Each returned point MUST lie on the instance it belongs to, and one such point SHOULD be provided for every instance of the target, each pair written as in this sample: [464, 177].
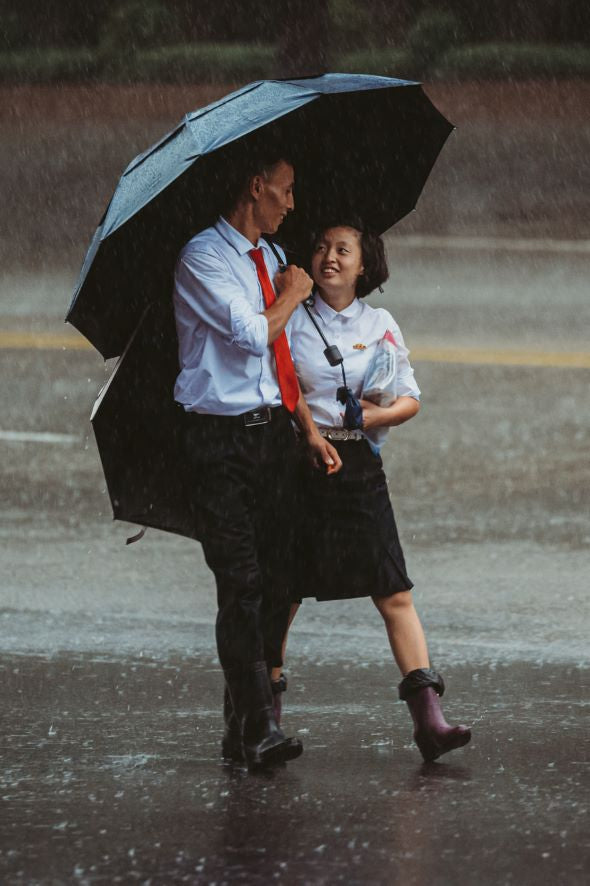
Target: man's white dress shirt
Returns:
[356, 331]
[226, 364]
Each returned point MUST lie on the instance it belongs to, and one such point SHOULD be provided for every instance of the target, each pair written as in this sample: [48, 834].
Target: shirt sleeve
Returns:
[406, 383]
[205, 292]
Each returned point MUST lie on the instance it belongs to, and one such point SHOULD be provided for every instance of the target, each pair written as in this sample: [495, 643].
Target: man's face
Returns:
[273, 193]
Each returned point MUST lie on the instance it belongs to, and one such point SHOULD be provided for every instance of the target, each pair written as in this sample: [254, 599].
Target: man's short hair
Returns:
[245, 162]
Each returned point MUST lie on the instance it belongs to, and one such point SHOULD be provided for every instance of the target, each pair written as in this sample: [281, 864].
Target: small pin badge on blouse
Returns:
[359, 347]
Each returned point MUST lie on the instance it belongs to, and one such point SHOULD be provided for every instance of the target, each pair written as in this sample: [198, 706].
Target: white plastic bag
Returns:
[380, 384]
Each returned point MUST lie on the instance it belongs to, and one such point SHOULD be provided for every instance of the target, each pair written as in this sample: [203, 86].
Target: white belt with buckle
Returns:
[342, 434]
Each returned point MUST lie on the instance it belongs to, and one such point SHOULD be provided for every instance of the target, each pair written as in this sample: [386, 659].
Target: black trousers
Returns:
[240, 486]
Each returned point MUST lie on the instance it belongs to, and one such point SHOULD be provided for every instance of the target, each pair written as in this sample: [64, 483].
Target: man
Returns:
[239, 391]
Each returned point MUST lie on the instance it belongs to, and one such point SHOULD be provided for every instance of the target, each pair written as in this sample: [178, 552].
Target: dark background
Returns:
[207, 40]
[381, 22]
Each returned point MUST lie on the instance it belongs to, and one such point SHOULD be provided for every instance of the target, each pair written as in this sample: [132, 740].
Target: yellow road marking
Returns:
[492, 356]
[501, 244]
[50, 341]
[501, 357]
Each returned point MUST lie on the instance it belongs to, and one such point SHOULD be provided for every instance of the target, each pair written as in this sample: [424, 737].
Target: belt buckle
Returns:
[257, 417]
[337, 434]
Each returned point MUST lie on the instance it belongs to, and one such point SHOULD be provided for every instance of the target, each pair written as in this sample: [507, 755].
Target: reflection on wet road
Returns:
[112, 774]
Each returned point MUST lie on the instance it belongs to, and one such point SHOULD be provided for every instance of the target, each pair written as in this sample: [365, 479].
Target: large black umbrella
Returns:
[361, 145]
[359, 142]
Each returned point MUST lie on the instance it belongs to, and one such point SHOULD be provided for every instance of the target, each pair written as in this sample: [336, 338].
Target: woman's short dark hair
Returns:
[375, 271]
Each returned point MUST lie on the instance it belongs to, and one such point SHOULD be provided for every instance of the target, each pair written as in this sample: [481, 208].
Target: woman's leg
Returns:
[421, 687]
[278, 681]
[275, 674]
[404, 629]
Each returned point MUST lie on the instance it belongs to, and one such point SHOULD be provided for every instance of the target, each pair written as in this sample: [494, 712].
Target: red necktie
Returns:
[288, 384]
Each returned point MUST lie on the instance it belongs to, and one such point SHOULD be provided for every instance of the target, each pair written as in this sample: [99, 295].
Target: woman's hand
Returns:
[321, 452]
[372, 415]
[323, 455]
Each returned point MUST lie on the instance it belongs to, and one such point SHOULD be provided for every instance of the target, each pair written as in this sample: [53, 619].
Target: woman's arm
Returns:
[375, 416]
[322, 453]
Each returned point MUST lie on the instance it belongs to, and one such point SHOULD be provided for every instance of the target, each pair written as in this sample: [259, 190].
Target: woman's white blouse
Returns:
[356, 331]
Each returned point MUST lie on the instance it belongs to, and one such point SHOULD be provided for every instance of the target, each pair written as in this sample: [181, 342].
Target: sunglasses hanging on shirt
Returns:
[353, 411]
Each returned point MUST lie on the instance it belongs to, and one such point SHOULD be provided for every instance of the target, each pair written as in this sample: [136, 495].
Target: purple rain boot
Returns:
[420, 689]
[278, 687]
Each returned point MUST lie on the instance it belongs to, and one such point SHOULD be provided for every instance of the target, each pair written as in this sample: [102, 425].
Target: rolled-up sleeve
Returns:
[406, 383]
[203, 289]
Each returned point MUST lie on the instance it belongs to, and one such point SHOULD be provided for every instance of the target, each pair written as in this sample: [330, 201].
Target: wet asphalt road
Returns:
[111, 691]
[112, 774]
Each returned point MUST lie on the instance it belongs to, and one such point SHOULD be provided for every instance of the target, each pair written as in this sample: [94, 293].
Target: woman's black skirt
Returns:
[348, 544]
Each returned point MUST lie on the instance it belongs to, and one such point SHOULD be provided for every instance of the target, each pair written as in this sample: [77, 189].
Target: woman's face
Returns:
[337, 260]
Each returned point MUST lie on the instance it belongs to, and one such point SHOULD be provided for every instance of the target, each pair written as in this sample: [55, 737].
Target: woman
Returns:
[349, 543]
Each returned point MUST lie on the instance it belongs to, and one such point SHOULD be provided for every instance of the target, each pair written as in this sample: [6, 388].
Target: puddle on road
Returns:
[112, 773]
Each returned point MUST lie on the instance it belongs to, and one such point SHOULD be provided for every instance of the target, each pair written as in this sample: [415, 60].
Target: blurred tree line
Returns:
[315, 25]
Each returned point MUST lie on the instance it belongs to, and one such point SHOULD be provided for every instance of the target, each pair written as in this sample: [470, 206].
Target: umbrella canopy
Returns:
[359, 143]
[138, 430]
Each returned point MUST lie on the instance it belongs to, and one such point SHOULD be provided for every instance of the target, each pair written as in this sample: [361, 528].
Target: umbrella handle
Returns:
[133, 538]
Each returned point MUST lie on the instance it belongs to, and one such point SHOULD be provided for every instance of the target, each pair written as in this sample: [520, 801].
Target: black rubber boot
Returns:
[420, 689]
[263, 742]
[278, 687]
[231, 744]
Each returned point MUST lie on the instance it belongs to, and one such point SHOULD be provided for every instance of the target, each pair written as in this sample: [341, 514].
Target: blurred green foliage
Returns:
[434, 33]
[49, 66]
[138, 24]
[228, 40]
[351, 24]
[386, 62]
[195, 63]
[13, 30]
[240, 63]
[355, 24]
[496, 61]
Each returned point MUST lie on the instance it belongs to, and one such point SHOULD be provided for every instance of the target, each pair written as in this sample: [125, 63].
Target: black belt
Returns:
[252, 419]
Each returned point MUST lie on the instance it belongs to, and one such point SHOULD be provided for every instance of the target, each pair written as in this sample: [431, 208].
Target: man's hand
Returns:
[296, 281]
[323, 455]
[294, 286]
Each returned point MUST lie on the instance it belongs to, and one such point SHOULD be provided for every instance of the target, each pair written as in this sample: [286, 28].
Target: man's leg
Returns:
[277, 553]
[227, 477]
[222, 480]
[276, 537]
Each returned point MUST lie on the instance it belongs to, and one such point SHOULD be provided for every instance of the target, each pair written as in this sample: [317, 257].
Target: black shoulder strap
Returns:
[276, 252]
